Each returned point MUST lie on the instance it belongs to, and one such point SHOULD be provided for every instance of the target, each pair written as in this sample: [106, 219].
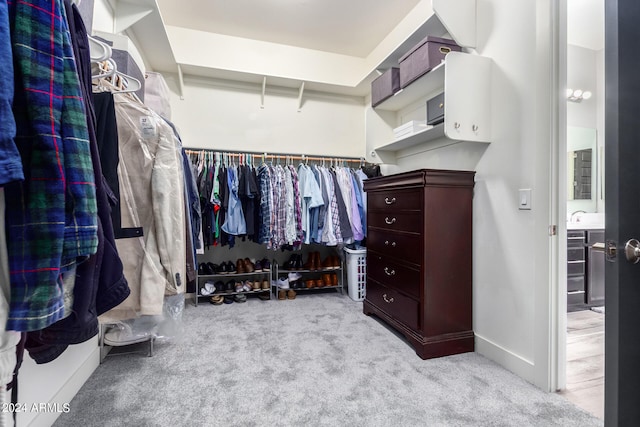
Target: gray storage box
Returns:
[423, 57]
[435, 110]
[385, 85]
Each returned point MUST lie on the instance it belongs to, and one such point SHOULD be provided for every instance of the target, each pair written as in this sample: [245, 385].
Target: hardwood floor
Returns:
[585, 361]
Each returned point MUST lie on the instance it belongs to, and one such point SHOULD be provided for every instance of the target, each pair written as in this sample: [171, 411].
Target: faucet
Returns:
[575, 217]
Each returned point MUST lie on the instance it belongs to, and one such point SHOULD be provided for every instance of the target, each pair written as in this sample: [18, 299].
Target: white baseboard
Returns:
[518, 365]
[78, 363]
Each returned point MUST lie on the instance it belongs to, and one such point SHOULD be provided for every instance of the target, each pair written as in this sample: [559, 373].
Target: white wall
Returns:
[227, 116]
[581, 74]
[103, 17]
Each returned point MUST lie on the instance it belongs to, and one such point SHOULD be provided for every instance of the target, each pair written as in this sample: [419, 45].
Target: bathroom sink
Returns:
[586, 221]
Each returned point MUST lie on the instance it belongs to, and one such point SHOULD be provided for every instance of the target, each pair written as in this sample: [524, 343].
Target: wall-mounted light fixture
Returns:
[577, 95]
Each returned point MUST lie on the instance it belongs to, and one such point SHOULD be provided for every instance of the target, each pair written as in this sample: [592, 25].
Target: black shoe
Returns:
[201, 268]
[211, 267]
[289, 265]
[265, 296]
[219, 287]
[222, 268]
[206, 270]
[228, 299]
[231, 267]
[299, 263]
[230, 286]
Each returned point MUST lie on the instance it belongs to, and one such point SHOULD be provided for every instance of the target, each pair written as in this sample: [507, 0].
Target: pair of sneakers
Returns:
[244, 286]
[209, 288]
[284, 282]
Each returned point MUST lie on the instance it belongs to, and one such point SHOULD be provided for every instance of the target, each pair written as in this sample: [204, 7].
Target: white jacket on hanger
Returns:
[151, 197]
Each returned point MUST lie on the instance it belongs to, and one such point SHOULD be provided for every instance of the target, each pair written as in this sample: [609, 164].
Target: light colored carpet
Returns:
[312, 361]
[598, 309]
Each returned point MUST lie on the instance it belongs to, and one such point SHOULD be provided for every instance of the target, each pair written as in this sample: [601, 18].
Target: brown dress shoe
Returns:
[327, 263]
[311, 262]
[334, 279]
[248, 266]
[320, 283]
[336, 261]
[309, 284]
[291, 294]
[326, 279]
[240, 268]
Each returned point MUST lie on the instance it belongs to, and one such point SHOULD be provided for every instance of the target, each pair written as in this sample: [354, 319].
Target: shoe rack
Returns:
[311, 275]
[229, 279]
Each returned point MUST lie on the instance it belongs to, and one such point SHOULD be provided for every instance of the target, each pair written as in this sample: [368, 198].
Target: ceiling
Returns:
[352, 27]
[247, 40]
[585, 23]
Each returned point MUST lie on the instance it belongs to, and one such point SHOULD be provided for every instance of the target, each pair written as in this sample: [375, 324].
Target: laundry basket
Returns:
[356, 273]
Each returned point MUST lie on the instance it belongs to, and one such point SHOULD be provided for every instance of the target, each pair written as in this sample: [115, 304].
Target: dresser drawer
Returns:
[399, 245]
[576, 254]
[576, 267]
[393, 201]
[402, 221]
[575, 283]
[393, 275]
[396, 305]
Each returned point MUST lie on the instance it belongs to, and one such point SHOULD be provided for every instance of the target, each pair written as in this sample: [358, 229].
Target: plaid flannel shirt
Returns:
[51, 217]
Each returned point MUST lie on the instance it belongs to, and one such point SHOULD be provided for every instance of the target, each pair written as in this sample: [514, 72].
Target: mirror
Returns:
[581, 169]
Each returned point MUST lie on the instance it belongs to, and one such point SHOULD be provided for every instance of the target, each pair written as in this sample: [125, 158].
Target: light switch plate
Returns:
[524, 199]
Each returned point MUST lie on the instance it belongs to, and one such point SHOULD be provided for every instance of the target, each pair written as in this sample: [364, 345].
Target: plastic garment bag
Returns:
[151, 198]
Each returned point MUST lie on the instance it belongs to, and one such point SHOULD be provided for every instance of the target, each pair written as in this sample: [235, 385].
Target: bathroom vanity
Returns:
[585, 265]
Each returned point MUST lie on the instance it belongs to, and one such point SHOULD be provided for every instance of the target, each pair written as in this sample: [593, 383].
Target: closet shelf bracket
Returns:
[300, 93]
[128, 14]
[181, 82]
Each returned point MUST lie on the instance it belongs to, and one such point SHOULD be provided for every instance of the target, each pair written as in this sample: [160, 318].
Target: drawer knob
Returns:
[387, 243]
[389, 221]
[389, 272]
[389, 201]
[386, 299]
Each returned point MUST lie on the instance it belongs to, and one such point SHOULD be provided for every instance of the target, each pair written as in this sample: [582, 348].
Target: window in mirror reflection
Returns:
[582, 167]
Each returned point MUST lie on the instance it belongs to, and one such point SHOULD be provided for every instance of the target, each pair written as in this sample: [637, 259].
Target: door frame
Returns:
[559, 285]
[555, 325]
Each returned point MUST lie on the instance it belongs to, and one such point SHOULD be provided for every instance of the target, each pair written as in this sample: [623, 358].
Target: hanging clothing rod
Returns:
[280, 156]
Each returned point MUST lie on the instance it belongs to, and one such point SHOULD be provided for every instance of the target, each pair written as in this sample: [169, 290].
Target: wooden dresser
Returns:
[419, 258]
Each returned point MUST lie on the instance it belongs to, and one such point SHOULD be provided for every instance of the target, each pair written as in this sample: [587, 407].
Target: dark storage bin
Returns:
[385, 85]
[423, 57]
[435, 110]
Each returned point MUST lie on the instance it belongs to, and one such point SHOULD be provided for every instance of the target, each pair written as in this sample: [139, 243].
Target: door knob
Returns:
[632, 251]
